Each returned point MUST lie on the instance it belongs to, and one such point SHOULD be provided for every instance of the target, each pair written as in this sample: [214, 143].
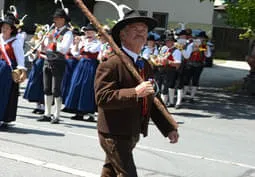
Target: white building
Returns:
[165, 11]
[1, 4]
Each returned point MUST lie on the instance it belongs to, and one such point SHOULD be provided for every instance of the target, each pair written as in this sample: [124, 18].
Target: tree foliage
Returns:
[241, 14]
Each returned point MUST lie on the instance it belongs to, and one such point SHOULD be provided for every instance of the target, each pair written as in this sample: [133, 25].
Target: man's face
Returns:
[59, 22]
[134, 34]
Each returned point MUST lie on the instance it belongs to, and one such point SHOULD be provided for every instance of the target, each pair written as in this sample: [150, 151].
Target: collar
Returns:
[8, 40]
[130, 53]
[61, 29]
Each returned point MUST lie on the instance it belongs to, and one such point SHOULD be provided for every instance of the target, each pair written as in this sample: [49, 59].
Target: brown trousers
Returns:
[119, 160]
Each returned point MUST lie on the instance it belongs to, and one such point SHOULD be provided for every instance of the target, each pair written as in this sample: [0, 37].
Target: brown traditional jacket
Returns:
[119, 109]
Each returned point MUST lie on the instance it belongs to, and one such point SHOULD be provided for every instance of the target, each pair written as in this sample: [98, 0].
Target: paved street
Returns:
[216, 138]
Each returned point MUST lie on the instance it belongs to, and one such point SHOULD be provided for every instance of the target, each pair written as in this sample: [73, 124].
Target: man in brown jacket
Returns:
[124, 105]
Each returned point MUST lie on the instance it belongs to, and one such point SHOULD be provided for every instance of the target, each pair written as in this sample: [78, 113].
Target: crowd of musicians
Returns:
[64, 62]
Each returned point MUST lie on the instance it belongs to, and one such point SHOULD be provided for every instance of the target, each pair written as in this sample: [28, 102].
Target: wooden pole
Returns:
[124, 59]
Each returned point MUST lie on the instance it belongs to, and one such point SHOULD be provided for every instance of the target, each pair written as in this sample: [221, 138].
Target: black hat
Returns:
[10, 19]
[170, 38]
[76, 31]
[151, 38]
[202, 34]
[132, 16]
[90, 27]
[62, 14]
[182, 32]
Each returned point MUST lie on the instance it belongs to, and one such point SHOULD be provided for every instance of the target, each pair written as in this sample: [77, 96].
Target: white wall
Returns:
[103, 10]
[187, 11]
[1, 4]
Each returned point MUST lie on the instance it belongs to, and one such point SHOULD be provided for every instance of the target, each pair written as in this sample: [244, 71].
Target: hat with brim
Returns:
[182, 32]
[11, 20]
[151, 38]
[76, 32]
[170, 38]
[202, 34]
[60, 13]
[132, 16]
[89, 27]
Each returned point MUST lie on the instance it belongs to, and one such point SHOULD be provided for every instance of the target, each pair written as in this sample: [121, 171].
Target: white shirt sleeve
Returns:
[155, 51]
[19, 54]
[187, 53]
[177, 55]
[146, 53]
[65, 44]
[208, 52]
[21, 37]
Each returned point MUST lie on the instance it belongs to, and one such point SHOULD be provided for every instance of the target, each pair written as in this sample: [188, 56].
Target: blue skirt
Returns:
[6, 83]
[81, 96]
[34, 89]
[70, 66]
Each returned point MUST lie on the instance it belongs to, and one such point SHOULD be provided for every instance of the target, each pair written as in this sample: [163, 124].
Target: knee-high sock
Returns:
[171, 95]
[165, 99]
[193, 91]
[185, 90]
[179, 96]
[58, 104]
[48, 104]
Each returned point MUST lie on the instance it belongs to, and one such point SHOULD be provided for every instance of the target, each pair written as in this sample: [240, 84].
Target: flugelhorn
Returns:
[37, 45]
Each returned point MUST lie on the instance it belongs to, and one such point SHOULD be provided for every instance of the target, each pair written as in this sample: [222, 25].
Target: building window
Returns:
[162, 19]
[143, 12]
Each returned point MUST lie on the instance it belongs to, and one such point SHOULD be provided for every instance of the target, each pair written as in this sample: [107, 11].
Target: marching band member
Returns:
[81, 97]
[57, 45]
[150, 49]
[34, 88]
[172, 61]
[12, 69]
[71, 62]
[195, 55]
[105, 49]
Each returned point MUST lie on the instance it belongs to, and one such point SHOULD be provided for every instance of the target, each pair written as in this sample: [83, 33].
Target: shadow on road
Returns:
[19, 130]
[222, 104]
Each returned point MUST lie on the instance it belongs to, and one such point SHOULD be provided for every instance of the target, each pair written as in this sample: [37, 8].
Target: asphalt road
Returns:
[216, 139]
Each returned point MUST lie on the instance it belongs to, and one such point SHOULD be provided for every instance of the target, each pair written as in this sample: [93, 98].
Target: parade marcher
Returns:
[184, 38]
[106, 49]
[11, 62]
[171, 63]
[195, 55]
[57, 45]
[71, 62]
[151, 49]
[34, 89]
[122, 110]
[81, 97]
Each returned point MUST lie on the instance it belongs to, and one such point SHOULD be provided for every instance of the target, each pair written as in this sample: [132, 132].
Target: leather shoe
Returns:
[77, 117]
[54, 120]
[44, 119]
[178, 106]
[90, 119]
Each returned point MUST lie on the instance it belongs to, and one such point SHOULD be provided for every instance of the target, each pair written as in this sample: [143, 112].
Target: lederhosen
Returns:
[54, 66]
[8, 88]
[194, 65]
